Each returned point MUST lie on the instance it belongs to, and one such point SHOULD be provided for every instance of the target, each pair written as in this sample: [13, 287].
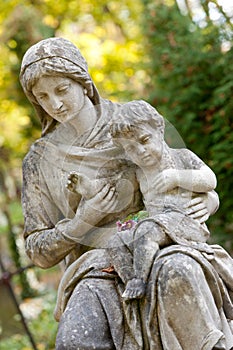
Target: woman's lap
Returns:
[187, 317]
[84, 325]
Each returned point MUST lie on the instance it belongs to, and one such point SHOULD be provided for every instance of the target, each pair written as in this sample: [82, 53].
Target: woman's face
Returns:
[61, 97]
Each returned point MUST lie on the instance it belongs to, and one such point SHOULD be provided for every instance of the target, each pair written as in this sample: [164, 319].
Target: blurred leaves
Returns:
[191, 85]
[42, 326]
[176, 55]
[108, 35]
[105, 32]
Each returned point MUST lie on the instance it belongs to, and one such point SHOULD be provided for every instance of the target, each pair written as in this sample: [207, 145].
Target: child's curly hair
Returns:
[135, 114]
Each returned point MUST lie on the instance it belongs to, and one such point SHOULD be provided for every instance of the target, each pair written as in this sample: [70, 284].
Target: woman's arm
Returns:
[48, 247]
[45, 242]
[48, 236]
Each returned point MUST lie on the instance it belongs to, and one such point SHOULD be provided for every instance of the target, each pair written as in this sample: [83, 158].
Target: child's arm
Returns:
[201, 180]
[196, 175]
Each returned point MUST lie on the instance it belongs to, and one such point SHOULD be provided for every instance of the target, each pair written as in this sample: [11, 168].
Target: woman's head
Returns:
[61, 97]
[54, 57]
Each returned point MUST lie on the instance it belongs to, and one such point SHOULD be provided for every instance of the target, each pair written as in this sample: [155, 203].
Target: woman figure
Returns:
[187, 305]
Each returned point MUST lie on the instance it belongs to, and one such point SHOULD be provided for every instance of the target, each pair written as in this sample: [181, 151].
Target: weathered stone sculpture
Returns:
[80, 178]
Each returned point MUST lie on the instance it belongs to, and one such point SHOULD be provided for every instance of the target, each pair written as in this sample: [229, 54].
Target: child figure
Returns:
[169, 179]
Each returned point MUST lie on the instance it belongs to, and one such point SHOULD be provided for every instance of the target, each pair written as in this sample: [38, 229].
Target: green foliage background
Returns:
[178, 58]
[192, 86]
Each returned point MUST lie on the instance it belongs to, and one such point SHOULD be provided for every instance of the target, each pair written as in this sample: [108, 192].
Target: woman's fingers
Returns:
[204, 218]
[110, 200]
[106, 200]
[111, 194]
[106, 193]
[196, 209]
[201, 217]
[199, 214]
[194, 201]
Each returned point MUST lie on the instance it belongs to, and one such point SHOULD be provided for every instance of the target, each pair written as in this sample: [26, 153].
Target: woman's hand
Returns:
[90, 212]
[197, 208]
[96, 208]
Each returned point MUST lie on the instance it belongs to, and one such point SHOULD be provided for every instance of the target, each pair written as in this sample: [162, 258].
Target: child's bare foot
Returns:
[135, 289]
[72, 181]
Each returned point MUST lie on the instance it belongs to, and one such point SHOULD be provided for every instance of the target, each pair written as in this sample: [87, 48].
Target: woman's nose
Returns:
[56, 103]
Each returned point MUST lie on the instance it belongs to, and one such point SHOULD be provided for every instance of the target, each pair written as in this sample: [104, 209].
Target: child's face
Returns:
[143, 146]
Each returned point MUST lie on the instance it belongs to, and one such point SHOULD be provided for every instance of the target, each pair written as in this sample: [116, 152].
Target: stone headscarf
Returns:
[54, 56]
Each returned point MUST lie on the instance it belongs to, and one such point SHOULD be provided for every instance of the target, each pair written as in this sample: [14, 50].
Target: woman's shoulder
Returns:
[33, 156]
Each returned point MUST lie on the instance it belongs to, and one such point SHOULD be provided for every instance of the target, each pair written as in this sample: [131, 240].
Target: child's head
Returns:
[139, 129]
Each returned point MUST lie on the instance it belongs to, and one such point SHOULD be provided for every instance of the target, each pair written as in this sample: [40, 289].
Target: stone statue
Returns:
[168, 179]
[80, 178]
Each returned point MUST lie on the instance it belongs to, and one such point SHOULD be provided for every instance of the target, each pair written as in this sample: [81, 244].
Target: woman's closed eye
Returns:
[63, 88]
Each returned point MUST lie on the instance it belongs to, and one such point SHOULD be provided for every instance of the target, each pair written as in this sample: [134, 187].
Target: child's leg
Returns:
[121, 257]
[148, 236]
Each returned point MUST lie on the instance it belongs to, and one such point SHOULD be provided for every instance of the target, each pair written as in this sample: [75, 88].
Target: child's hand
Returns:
[80, 183]
[166, 181]
[72, 182]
